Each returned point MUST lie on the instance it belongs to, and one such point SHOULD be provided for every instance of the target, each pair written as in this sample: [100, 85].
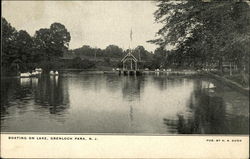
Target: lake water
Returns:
[99, 103]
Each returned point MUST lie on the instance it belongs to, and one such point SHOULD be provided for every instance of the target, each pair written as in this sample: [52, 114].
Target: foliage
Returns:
[17, 49]
[113, 51]
[78, 63]
[24, 44]
[109, 51]
[51, 43]
[22, 53]
[9, 50]
[141, 53]
[205, 33]
[110, 56]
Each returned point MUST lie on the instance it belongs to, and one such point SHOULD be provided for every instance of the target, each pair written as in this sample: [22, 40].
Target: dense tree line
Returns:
[110, 56]
[48, 49]
[112, 51]
[204, 33]
[22, 52]
[109, 51]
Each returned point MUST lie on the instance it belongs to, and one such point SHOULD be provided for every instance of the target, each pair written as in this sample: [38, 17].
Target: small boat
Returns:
[54, 73]
[38, 70]
[34, 74]
[25, 75]
[211, 86]
[157, 70]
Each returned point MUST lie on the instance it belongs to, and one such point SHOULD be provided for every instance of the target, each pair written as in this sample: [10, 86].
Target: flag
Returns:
[131, 33]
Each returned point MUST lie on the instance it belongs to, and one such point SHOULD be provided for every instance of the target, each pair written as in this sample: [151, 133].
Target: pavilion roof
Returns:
[129, 55]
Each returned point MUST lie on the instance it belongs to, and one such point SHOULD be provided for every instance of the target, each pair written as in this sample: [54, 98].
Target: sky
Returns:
[94, 23]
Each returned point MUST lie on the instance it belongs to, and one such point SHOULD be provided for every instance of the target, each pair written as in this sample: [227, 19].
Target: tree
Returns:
[204, 31]
[87, 50]
[21, 52]
[113, 51]
[24, 44]
[141, 53]
[52, 43]
[84, 50]
[17, 49]
[77, 62]
[9, 50]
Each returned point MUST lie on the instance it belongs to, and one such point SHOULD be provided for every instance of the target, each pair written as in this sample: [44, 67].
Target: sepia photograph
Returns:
[125, 68]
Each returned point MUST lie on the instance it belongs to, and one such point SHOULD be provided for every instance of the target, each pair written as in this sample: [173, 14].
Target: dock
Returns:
[130, 72]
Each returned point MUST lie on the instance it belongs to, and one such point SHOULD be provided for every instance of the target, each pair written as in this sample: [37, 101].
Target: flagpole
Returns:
[131, 37]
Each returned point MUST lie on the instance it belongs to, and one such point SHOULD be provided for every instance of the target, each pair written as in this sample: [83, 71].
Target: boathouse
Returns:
[129, 65]
[129, 62]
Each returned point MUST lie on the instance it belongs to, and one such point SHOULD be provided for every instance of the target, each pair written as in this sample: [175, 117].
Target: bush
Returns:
[107, 60]
[85, 64]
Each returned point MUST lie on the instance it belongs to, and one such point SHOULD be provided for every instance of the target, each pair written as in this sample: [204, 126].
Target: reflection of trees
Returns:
[7, 89]
[131, 90]
[50, 92]
[24, 88]
[163, 81]
[113, 82]
[89, 81]
[18, 90]
[132, 87]
[208, 116]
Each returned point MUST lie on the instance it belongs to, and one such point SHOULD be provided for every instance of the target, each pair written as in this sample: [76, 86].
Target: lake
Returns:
[107, 103]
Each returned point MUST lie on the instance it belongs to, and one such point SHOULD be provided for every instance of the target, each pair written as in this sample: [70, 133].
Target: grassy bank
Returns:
[234, 82]
[235, 77]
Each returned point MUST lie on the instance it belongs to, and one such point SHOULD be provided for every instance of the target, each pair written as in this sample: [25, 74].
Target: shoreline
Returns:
[229, 83]
[186, 73]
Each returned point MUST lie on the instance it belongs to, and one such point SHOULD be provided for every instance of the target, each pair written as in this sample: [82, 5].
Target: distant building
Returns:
[129, 62]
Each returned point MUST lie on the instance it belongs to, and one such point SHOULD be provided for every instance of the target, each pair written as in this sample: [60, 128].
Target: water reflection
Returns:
[83, 103]
[7, 91]
[51, 92]
[163, 82]
[207, 115]
[18, 90]
[132, 91]
[132, 87]
[23, 93]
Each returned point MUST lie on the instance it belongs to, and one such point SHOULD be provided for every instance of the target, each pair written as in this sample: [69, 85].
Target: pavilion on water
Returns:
[129, 62]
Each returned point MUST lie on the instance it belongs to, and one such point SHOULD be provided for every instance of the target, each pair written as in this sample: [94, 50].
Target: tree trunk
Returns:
[221, 65]
[244, 77]
[231, 69]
